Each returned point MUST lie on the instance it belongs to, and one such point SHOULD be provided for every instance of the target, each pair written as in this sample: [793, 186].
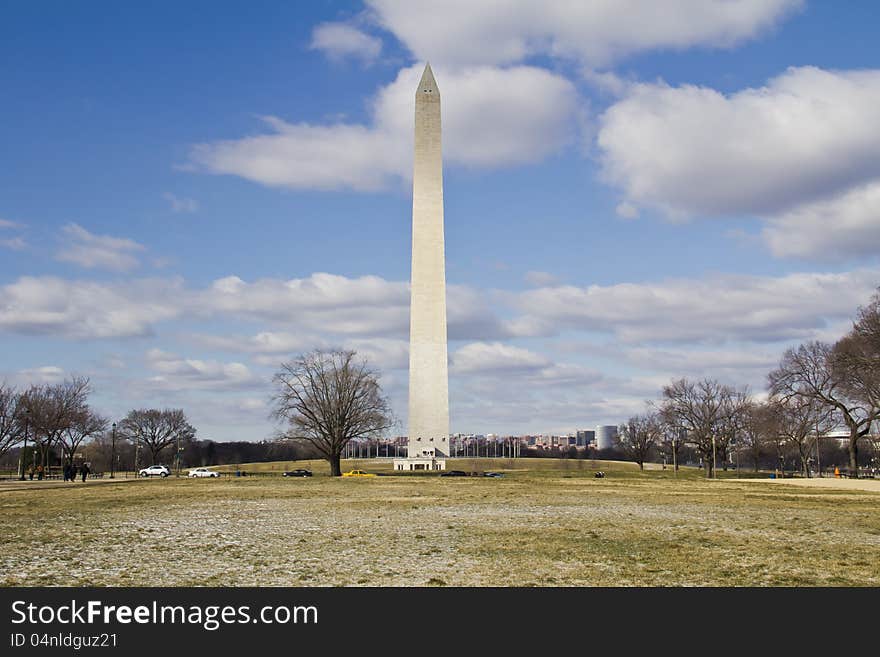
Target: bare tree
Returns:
[52, 408]
[11, 426]
[834, 376]
[156, 429]
[671, 441]
[732, 424]
[758, 429]
[707, 411]
[328, 399]
[798, 420]
[638, 436]
[85, 424]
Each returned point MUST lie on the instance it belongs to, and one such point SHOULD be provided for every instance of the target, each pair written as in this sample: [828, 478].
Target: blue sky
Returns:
[191, 192]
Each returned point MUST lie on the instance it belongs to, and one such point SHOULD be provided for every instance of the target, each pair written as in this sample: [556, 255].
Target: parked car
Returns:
[154, 471]
[454, 473]
[357, 473]
[297, 473]
[493, 474]
[203, 472]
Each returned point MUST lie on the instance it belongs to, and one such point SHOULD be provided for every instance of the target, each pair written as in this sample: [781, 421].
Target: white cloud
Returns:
[626, 210]
[752, 308]
[491, 118]
[85, 309]
[744, 361]
[15, 244]
[319, 305]
[40, 375]
[340, 40]
[382, 353]
[485, 357]
[176, 373]
[336, 305]
[98, 251]
[326, 302]
[179, 204]
[806, 135]
[540, 279]
[265, 342]
[840, 227]
[463, 32]
[6, 223]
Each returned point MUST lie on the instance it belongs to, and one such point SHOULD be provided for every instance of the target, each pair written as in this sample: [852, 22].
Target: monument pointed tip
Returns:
[428, 84]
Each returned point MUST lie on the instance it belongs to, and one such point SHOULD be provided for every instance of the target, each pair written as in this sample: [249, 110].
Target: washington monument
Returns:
[428, 377]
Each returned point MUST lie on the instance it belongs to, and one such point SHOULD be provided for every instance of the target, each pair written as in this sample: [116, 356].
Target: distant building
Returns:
[606, 436]
[585, 438]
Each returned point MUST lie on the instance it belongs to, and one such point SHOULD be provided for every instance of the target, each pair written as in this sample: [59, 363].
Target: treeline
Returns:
[50, 425]
[55, 419]
[46, 426]
[817, 387]
[196, 453]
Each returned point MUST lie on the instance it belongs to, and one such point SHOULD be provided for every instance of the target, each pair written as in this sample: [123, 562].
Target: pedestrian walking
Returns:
[40, 472]
[72, 472]
[84, 470]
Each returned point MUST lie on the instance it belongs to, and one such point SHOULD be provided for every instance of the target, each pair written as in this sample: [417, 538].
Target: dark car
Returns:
[454, 473]
[297, 473]
[493, 474]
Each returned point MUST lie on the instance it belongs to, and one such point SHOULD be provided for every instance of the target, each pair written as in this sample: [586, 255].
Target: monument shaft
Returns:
[428, 376]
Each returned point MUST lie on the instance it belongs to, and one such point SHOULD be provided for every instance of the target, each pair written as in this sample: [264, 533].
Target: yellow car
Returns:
[357, 473]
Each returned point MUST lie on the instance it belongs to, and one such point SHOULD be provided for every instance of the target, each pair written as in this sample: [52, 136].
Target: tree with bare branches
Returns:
[799, 420]
[156, 429]
[708, 411]
[638, 436]
[86, 423]
[671, 442]
[329, 398]
[52, 408]
[757, 432]
[835, 376]
[11, 425]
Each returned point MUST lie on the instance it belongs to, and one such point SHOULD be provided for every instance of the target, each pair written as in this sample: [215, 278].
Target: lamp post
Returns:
[112, 449]
[27, 414]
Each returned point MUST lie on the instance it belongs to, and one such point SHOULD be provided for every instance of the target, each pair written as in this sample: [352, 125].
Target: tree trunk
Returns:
[641, 465]
[854, 456]
[708, 467]
[335, 467]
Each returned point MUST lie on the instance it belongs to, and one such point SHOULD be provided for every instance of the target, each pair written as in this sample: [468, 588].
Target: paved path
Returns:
[826, 482]
[17, 485]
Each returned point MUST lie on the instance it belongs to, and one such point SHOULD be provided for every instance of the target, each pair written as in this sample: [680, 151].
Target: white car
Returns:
[203, 472]
[154, 471]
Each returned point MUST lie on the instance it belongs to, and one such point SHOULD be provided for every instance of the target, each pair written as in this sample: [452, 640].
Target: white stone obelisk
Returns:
[428, 377]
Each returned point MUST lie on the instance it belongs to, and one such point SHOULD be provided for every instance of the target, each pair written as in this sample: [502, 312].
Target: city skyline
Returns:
[186, 202]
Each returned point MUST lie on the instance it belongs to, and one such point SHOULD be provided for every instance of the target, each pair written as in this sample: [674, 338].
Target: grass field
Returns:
[545, 523]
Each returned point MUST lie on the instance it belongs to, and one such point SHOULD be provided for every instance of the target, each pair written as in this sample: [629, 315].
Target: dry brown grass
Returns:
[552, 527]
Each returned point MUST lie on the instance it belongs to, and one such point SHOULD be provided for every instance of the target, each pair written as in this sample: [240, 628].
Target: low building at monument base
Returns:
[420, 463]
